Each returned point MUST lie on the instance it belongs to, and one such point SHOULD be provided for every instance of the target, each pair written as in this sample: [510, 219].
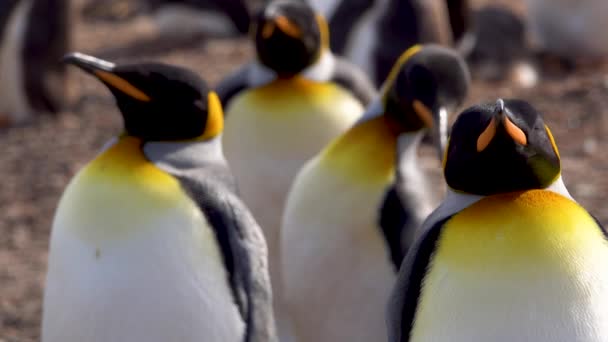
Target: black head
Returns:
[500, 148]
[425, 84]
[158, 102]
[288, 36]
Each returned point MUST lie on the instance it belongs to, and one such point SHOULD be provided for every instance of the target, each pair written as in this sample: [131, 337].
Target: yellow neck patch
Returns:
[118, 193]
[122, 85]
[366, 153]
[324, 30]
[289, 91]
[536, 227]
[124, 163]
[411, 51]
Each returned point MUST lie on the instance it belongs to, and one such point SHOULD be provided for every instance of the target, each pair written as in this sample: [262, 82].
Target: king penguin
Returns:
[149, 241]
[336, 261]
[282, 109]
[34, 35]
[508, 255]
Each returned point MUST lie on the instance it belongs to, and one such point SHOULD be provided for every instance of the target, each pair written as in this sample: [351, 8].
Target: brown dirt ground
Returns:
[38, 160]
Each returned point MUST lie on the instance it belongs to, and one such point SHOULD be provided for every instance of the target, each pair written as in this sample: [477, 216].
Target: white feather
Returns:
[132, 273]
[336, 267]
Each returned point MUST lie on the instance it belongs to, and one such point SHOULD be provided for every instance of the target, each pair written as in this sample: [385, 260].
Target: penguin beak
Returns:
[440, 130]
[501, 118]
[88, 63]
[104, 71]
[437, 120]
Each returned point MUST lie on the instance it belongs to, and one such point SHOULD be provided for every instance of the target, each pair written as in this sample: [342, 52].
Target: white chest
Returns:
[336, 266]
[535, 303]
[269, 135]
[161, 280]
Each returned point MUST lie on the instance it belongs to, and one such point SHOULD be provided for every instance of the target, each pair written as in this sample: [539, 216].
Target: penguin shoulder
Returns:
[234, 83]
[350, 77]
[204, 175]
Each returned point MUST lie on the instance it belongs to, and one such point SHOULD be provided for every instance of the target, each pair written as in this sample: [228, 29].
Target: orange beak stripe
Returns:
[515, 132]
[486, 136]
[122, 85]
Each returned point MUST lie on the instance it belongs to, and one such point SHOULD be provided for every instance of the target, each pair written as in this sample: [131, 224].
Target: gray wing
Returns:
[233, 84]
[355, 80]
[243, 248]
[403, 301]
[205, 176]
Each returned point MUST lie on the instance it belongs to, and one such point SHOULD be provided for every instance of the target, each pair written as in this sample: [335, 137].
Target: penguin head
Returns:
[424, 85]
[500, 148]
[158, 102]
[289, 36]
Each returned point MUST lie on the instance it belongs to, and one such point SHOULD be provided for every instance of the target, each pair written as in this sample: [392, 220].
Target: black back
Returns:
[405, 299]
[343, 20]
[47, 41]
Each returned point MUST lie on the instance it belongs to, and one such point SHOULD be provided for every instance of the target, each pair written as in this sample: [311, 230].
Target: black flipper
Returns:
[403, 302]
[244, 251]
[355, 80]
[393, 221]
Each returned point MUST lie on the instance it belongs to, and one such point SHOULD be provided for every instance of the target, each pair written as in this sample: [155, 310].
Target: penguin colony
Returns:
[289, 204]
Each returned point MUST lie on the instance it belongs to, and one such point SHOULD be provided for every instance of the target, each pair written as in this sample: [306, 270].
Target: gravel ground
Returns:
[39, 159]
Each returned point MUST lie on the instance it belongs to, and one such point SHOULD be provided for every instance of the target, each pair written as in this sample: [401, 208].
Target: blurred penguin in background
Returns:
[373, 33]
[223, 18]
[34, 35]
[213, 17]
[337, 270]
[282, 108]
[570, 29]
[496, 46]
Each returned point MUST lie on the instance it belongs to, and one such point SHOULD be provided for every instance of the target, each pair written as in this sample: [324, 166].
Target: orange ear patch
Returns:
[424, 113]
[267, 30]
[288, 27]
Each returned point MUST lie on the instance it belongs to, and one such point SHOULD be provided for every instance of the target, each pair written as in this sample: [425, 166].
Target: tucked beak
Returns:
[282, 23]
[440, 130]
[500, 118]
[104, 71]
